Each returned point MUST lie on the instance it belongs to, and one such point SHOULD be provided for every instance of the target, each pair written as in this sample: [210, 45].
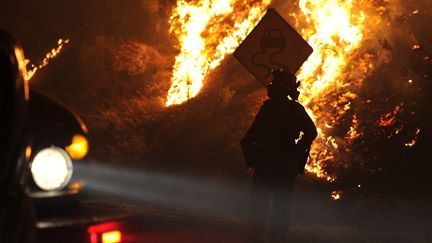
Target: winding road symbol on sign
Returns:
[272, 44]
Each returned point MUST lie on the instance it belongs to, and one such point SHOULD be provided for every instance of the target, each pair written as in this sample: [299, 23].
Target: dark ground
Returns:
[317, 222]
[156, 207]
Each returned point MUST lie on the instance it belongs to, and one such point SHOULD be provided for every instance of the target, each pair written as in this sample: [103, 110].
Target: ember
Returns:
[389, 118]
[50, 55]
[336, 195]
[414, 140]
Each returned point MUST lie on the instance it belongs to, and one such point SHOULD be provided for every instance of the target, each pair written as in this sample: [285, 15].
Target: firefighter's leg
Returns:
[280, 214]
[258, 211]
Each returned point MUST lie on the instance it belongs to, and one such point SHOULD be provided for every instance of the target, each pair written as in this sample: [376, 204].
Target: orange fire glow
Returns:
[335, 29]
[207, 31]
[413, 142]
[48, 57]
[353, 133]
[389, 118]
[336, 195]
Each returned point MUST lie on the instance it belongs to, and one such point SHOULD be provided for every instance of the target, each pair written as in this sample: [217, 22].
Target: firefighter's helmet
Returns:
[283, 83]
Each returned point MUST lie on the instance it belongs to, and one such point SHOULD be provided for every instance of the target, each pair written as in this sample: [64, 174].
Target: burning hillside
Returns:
[338, 31]
[164, 86]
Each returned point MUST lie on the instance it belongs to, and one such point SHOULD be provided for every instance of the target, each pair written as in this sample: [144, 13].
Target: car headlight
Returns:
[51, 168]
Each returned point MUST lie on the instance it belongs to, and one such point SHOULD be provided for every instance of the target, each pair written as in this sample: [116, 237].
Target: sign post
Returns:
[272, 44]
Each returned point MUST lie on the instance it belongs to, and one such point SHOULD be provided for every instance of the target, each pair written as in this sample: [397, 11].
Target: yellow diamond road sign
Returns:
[272, 44]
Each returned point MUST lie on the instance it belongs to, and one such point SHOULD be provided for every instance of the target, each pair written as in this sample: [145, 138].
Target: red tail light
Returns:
[105, 233]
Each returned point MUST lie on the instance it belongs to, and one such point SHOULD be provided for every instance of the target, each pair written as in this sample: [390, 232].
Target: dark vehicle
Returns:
[42, 142]
[57, 140]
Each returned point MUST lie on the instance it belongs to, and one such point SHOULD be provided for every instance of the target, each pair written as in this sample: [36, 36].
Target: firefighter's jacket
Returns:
[270, 143]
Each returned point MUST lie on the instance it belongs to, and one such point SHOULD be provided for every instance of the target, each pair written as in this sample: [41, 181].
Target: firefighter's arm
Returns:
[309, 132]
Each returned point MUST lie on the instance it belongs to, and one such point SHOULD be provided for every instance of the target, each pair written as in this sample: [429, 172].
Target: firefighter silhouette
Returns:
[276, 155]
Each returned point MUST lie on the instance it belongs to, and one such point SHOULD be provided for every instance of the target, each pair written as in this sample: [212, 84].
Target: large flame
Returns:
[207, 30]
[335, 31]
[334, 28]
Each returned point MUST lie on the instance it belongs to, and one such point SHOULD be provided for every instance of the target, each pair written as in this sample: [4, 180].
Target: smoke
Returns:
[397, 85]
[201, 136]
[116, 74]
[137, 59]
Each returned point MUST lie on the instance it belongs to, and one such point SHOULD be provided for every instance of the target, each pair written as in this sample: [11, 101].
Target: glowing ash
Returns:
[48, 57]
[336, 195]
